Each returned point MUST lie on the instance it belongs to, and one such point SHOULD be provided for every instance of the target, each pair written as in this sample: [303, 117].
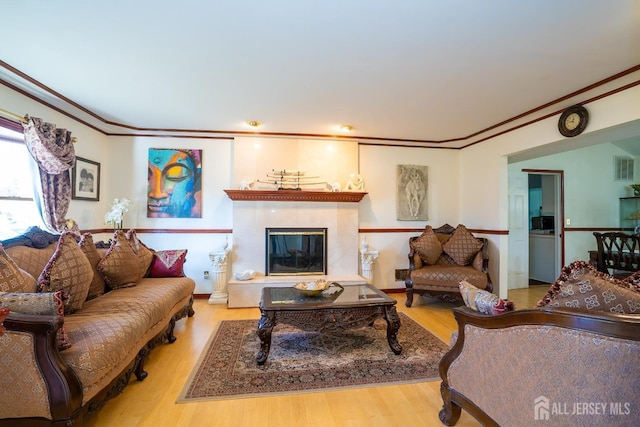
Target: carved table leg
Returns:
[393, 325]
[265, 326]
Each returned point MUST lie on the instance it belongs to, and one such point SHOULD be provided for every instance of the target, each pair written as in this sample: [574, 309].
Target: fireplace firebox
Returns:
[296, 251]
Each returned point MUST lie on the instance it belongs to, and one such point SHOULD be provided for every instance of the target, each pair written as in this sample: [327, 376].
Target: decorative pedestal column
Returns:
[219, 276]
[367, 259]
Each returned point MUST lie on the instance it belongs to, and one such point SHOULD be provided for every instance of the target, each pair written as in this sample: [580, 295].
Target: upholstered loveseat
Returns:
[571, 360]
[440, 258]
[82, 321]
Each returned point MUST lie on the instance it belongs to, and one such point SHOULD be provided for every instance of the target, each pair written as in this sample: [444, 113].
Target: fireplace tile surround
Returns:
[252, 218]
[253, 212]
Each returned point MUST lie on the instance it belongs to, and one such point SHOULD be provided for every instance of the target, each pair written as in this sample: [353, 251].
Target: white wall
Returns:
[590, 191]
[484, 167]
[378, 210]
[468, 186]
[128, 179]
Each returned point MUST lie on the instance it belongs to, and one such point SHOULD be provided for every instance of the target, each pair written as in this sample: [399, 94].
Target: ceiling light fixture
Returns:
[346, 128]
[253, 123]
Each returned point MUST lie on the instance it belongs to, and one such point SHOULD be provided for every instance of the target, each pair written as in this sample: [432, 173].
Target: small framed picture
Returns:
[85, 178]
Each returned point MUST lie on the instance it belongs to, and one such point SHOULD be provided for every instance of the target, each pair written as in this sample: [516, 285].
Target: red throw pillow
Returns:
[168, 263]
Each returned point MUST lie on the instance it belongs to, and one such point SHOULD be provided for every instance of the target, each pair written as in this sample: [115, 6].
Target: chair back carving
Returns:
[618, 251]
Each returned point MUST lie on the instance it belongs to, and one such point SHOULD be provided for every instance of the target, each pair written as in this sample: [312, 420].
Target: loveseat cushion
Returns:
[12, 277]
[68, 270]
[110, 330]
[427, 246]
[581, 286]
[447, 277]
[462, 246]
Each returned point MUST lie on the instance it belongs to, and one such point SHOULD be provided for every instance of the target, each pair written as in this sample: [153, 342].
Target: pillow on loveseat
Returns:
[168, 263]
[12, 277]
[462, 246]
[482, 301]
[88, 247]
[68, 270]
[50, 303]
[633, 281]
[581, 286]
[120, 266]
[428, 246]
[143, 253]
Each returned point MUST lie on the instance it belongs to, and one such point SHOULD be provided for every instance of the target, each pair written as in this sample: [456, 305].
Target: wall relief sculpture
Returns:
[411, 193]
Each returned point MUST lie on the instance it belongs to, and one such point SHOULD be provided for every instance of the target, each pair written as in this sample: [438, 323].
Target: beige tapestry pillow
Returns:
[68, 270]
[428, 246]
[483, 301]
[144, 254]
[462, 246]
[50, 303]
[120, 266]
[96, 288]
[12, 277]
[581, 286]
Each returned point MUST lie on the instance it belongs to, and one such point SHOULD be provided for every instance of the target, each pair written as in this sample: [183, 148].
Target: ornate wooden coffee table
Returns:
[353, 307]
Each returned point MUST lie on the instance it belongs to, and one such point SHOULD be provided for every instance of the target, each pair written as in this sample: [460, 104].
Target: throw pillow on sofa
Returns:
[462, 246]
[120, 266]
[96, 288]
[143, 253]
[483, 301]
[581, 286]
[428, 246]
[49, 303]
[168, 263]
[68, 270]
[12, 277]
[633, 281]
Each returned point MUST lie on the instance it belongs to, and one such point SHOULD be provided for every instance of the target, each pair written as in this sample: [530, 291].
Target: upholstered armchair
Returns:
[439, 259]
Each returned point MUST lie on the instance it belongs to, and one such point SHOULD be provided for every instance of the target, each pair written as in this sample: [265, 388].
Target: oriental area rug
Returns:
[306, 362]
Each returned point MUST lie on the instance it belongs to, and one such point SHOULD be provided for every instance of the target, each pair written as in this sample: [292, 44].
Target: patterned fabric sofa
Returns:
[571, 360]
[104, 310]
[440, 258]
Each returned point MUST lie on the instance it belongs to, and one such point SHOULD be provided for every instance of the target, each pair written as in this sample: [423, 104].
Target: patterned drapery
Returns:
[53, 152]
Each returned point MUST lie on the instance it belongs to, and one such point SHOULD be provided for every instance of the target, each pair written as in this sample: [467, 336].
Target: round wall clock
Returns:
[573, 120]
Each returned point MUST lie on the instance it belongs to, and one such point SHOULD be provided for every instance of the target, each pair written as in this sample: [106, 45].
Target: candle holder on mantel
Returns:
[219, 275]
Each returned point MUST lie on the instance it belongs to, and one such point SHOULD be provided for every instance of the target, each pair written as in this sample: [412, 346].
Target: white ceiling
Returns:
[404, 70]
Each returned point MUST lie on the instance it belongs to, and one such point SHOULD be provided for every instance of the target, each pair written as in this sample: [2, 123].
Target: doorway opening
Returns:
[546, 225]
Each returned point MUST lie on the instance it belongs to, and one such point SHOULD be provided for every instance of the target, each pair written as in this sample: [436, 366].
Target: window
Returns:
[18, 210]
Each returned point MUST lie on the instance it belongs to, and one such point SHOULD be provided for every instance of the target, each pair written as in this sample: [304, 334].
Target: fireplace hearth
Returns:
[295, 251]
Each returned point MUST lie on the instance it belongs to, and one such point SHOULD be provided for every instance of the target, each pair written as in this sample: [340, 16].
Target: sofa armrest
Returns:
[415, 261]
[33, 338]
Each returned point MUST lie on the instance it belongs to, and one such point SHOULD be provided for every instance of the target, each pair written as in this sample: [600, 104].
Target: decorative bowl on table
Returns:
[312, 289]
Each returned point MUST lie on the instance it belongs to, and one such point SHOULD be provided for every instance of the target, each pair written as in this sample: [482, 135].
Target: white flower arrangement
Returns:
[115, 214]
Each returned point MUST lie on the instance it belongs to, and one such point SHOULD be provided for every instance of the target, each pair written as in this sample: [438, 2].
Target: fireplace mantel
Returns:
[295, 195]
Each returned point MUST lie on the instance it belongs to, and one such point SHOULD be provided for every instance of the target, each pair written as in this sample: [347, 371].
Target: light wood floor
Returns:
[152, 401]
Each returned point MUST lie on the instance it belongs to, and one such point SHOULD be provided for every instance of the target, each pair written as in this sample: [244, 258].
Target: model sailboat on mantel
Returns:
[291, 179]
